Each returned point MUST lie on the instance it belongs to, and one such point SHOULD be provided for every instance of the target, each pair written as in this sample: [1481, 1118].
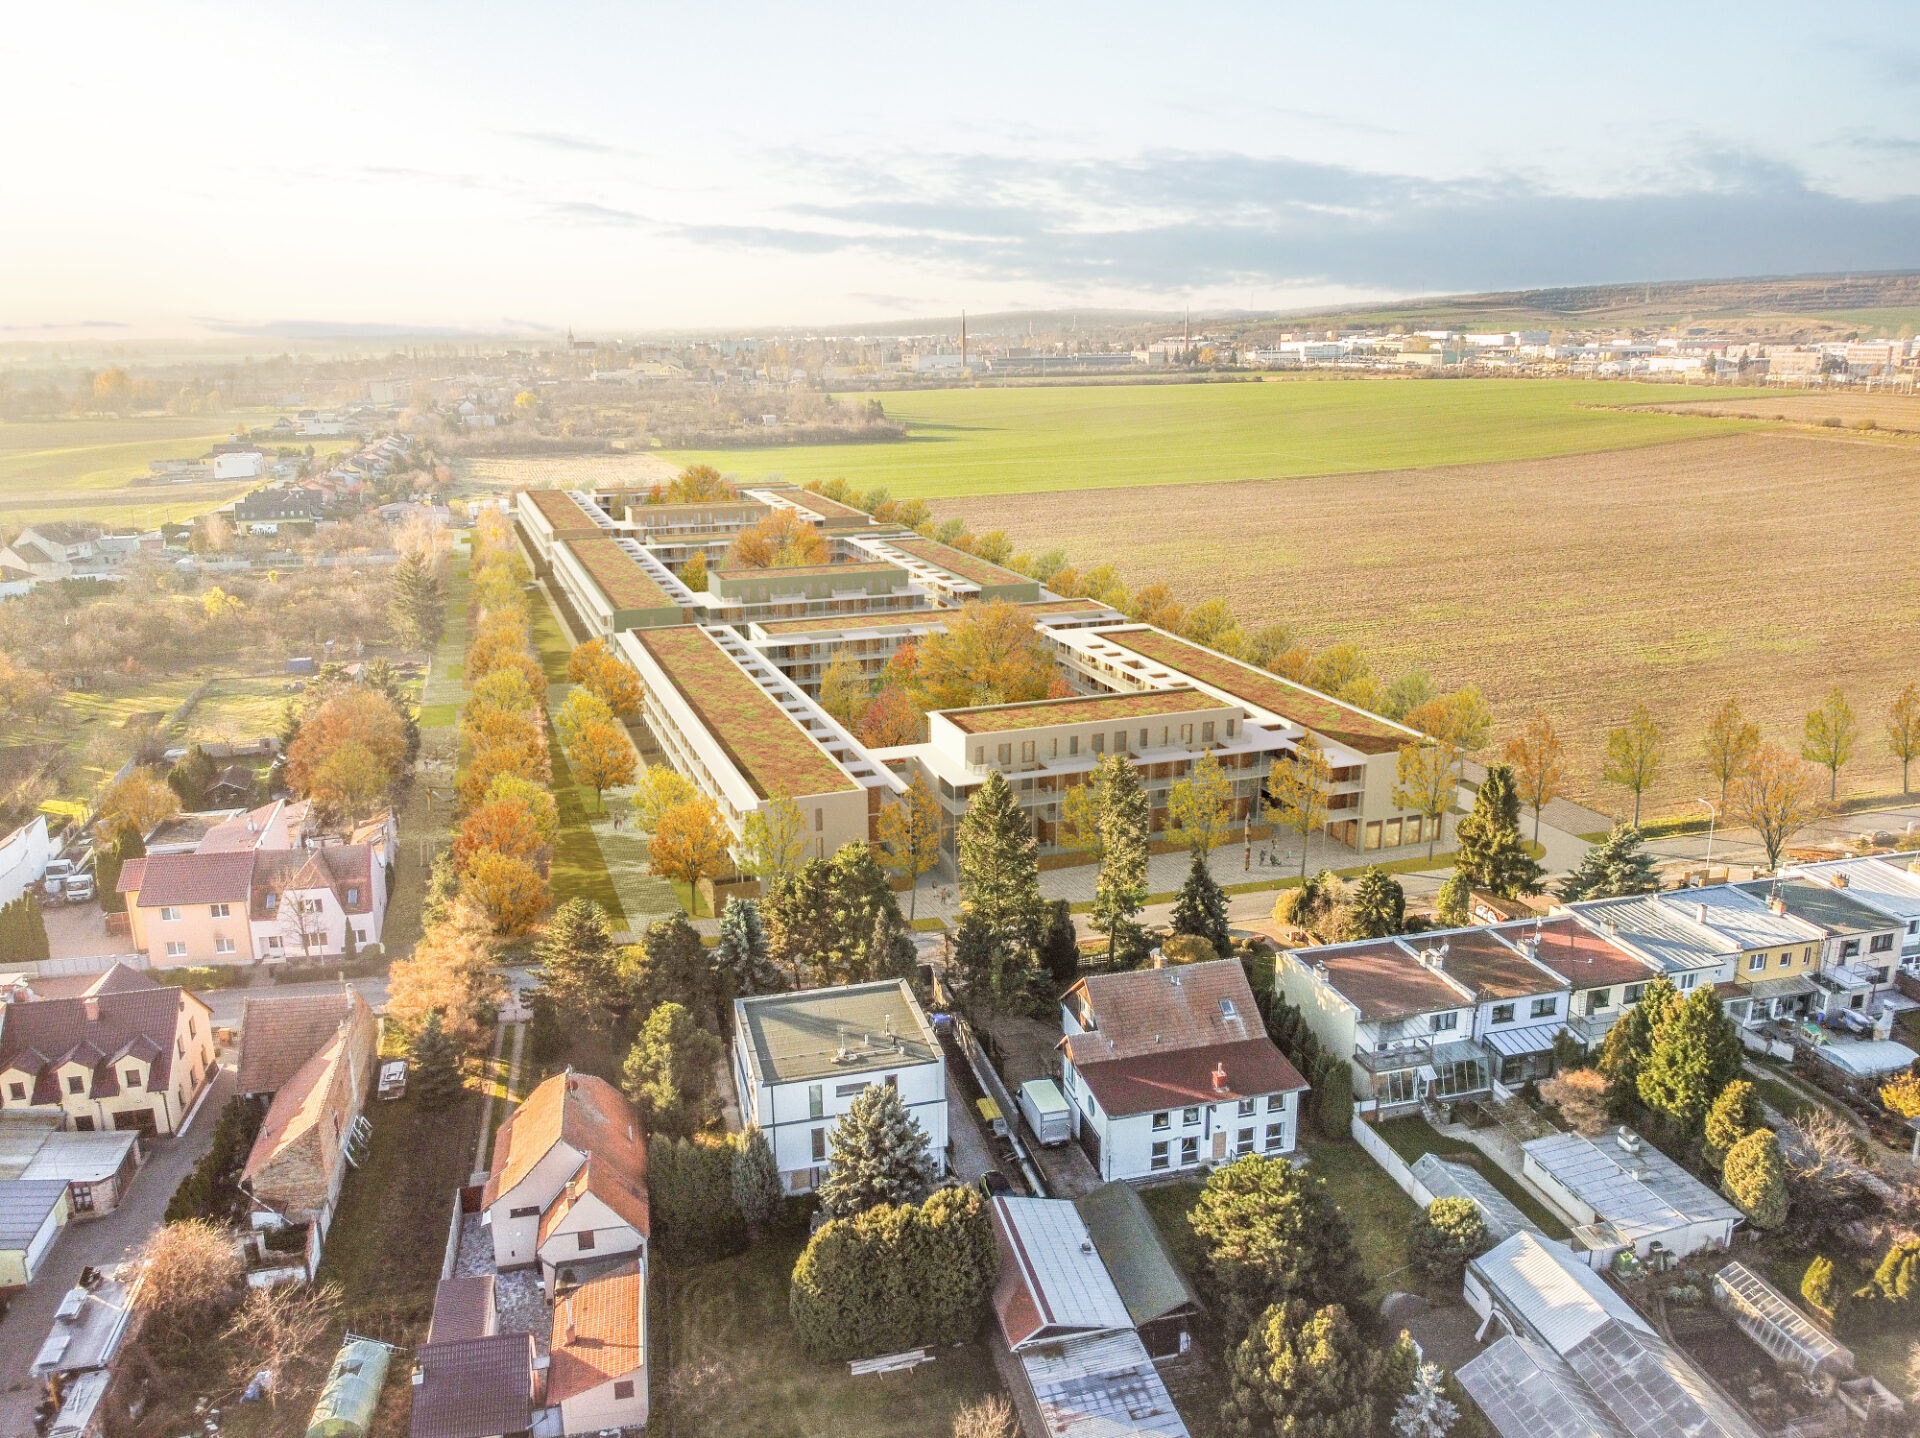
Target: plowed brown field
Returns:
[1769, 564]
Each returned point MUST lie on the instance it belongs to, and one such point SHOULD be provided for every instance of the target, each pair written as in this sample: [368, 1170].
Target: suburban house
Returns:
[1575, 1358]
[1604, 980]
[1170, 1068]
[597, 1362]
[469, 1379]
[65, 550]
[1625, 1193]
[32, 1213]
[126, 1058]
[569, 1179]
[300, 1156]
[801, 1059]
[1064, 1319]
[1883, 884]
[1667, 933]
[258, 886]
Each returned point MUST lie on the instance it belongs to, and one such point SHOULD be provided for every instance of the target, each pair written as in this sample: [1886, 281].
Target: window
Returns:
[1189, 1151]
[220, 911]
[1410, 831]
[1443, 1023]
[1026, 751]
[190, 1029]
[1276, 1102]
[1159, 1159]
[1246, 1108]
[1599, 999]
[1189, 1117]
[1276, 1136]
[585, 1238]
[1880, 974]
[1186, 733]
[1786, 958]
[273, 902]
[1227, 1010]
[533, 1212]
[1373, 835]
[1849, 948]
[1099, 743]
[76, 1084]
[1006, 753]
[1756, 963]
[169, 914]
[847, 1090]
[353, 895]
[1503, 1013]
[816, 1101]
[979, 753]
[819, 1137]
[1687, 981]
[1545, 1008]
[819, 820]
[1073, 744]
[180, 1047]
[1162, 1121]
[623, 1388]
[223, 946]
[1120, 740]
[1633, 993]
[272, 941]
[1143, 739]
[17, 1092]
[1881, 943]
[132, 1076]
[1206, 732]
[359, 936]
[1243, 1142]
[176, 949]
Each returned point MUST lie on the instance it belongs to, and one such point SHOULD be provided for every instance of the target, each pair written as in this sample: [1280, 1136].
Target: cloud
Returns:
[64, 325]
[586, 212]
[576, 144]
[1164, 222]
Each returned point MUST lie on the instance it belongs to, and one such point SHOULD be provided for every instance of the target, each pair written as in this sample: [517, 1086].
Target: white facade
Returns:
[1189, 1137]
[23, 858]
[246, 464]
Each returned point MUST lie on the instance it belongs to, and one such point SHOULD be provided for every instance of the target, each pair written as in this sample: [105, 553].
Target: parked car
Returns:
[53, 883]
[79, 887]
[393, 1079]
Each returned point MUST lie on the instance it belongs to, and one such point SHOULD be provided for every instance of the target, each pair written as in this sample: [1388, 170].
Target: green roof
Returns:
[799, 1037]
[958, 561]
[1135, 1252]
[824, 507]
[618, 574]
[564, 514]
[766, 744]
[1085, 709]
[1327, 717]
[848, 623]
[800, 571]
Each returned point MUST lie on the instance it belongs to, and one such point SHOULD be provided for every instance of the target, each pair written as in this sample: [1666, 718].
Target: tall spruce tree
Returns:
[23, 929]
[1120, 891]
[1201, 909]
[1693, 1056]
[742, 950]
[111, 859]
[435, 1079]
[417, 607]
[580, 964]
[756, 1179]
[1628, 1043]
[1617, 865]
[878, 1154]
[799, 914]
[1377, 906]
[1061, 950]
[999, 862]
[1490, 851]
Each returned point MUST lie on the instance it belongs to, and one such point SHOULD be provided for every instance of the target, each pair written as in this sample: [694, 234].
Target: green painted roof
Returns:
[1130, 1243]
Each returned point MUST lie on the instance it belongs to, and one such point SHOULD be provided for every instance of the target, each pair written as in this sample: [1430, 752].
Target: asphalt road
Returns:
[99, 1242]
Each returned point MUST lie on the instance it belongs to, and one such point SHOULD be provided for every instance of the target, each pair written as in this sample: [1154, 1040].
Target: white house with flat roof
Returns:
[1625, 1193]
[801, 1059]
[1888, 885]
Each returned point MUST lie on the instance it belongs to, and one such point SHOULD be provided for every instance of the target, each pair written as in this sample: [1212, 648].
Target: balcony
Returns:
[1394, 1055]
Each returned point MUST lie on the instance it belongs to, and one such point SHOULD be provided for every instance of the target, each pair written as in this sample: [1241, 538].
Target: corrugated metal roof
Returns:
[1100, 1386]
[1672, 940]
[1546, 1288]
[1457, 1180]
[1061, 1266]
[1645, 1189]
[1527, 1391]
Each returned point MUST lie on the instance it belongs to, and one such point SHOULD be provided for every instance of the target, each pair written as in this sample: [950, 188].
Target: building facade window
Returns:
[1545, 1008]
[623, 1389]
[1189, 1117]
[1503, 1013]
[1881, 944]
[223, 946]
[1276, 1136]
[132, 1078]
[816, 1101]
[169, 914]
[1243, 1143]
[1189, 1152]
[1599, 999]
[176, 949]
[1756, 963]
[1443, 1023]
[1246, 1108]
[76, 1084]
[585, 1238]
[1849, 948]
[220, 911]
[1276, 1102]
[1162, 1122]
[819, 1140]
[1159, 1159]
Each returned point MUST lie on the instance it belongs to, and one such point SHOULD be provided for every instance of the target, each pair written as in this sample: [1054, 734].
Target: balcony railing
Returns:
[1397, 1054]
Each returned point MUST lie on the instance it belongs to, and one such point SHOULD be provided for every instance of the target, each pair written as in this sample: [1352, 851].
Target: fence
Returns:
[86, 964]
[1394, 1166]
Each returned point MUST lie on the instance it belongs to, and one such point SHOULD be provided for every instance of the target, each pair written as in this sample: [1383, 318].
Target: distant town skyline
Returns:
[216, 169]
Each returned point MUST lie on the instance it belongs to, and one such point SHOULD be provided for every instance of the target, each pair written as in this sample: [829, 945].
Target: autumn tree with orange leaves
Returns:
[596, 668]
[689, 843]
[510, 891]
[1777, 796]
[782, 540]
[600, 757]
[351, 716]
[989, 655]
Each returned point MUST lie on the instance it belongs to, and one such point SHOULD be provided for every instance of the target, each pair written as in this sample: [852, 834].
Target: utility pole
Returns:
[963, 339]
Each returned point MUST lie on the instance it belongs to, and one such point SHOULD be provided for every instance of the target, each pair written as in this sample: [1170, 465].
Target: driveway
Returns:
[98, 1242]
[79, 931]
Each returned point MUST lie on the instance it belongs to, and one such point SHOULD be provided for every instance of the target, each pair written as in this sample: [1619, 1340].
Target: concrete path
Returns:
[97, 1242]
[483, 1145]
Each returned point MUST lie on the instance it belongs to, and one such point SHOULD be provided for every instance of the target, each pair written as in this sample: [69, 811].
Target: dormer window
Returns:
[132, 1077]
[76, 1083]
[353, 895]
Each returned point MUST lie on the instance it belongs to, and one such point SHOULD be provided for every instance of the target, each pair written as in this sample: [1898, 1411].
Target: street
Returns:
[97, 1242]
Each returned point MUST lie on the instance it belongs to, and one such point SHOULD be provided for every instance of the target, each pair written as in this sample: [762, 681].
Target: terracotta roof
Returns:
[245, 830]
[1153, 1010]
[604, 1182]
[338, 867]
[1586, 958]
[133, 873]
[279, 1035]
[463, 1308]
[597, 1334]
[121, 979]
[474, 1387]
[40, 1037]
[1383, 980]
[198, 878]
[1491, 968]
[590, 1116]
[1148, 1082]
[298, 1108]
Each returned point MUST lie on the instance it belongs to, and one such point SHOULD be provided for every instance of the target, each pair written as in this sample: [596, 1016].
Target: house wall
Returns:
[612, 1236]
[785, 1112]
[515, 1240]
[1333, 1020]
[23, 858]
[1126, 1144]
[196, 930]
[598, 1409]
[19, 1265]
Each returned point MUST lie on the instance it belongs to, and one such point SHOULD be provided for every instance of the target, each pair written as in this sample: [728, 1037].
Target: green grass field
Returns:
[1008, 441]
[85, 468]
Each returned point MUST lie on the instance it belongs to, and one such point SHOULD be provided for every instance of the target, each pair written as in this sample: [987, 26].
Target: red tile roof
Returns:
[175, 879]
[1152, 1010]
[1150, 1082]
[597, 1334]
[278, 1035]
[39, 1037]
[590, 1116]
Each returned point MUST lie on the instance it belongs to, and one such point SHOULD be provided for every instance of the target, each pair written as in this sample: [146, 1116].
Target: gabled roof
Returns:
[586, 1113]
[1149, 1082]
[598, 1333]
[1139, 1261]
[324, 1086]
[198, 878]
[1528, 1391]
[474, 1387]
[603, 1181]
[339, 868]
[463, 1307]
[57, 1031]
[120, 978]
[1152, 1011]
[279, 1035]
[1052, 1280]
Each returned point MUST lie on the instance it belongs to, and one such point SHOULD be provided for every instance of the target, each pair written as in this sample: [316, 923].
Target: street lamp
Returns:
[1713, 815]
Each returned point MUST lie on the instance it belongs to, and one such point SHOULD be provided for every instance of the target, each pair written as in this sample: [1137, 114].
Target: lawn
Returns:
[1881, 1346]
[1011, 441]
[1411, 1137]
[733, 1365]
[85, 468]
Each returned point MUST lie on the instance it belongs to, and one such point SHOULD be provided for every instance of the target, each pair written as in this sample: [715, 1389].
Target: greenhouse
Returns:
[1770, 1319]
[345, 1406]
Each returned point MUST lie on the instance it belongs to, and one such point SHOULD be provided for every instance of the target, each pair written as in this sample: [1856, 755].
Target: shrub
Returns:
[1898, 1276]
[1271, 1234]
[1818, 1286]
[1755, 1178]
[690, 1197]
[1443, 1238]
[1333, 1105]
[1188, 949]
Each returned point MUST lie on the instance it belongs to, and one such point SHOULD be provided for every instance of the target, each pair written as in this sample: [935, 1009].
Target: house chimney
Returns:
[1219, 1078]
[1777, 904]
[1159, 959]
[1700, 913]
[1839, 881]
[92, 1005]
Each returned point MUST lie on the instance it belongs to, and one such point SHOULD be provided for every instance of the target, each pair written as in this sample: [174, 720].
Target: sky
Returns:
[208, 169]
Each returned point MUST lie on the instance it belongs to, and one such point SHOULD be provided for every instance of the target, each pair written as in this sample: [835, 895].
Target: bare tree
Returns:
[989, 1418]
[186, 1268]
[1778, 796]
[281, 1330]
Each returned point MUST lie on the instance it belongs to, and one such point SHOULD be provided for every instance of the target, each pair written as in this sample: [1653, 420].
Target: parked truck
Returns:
[1045, 1109]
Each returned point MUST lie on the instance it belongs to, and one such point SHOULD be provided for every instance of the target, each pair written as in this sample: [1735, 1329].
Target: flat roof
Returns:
[564, 514]
[1584, 957]
[81, 1157]
[970, 567]
[1815, 903]
[1382, 979]
[1671, 940]
[1081, 709]
[765, 743]
[1343, 723]
[1491, 967]
[803, 571]
[618, 575]
[1100, 1384]
[1873, 881]
[799, 1036]
[821, 505]
[850, 624]
[1643, 1190]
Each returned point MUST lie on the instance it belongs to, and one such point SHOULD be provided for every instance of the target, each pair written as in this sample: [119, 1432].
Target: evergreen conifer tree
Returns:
[1614, 867]
[579, 962]
[108, 863]
[742, 950]
[879, 1154]
[1455, 900]
[1897, 1279]
[1490, 851]
[1693, 1056]
[865, 917]
[1628, 1043]
[1302, 1372]
[1734, 1114]
[435, 1080]
[1755, 1177]
[1120, 890]
[417, 606]
[669, 1072]
[1426, 1412]
[1377, 906]
[999, 862]
[1818, 1286]
[756, 1179]
[1061, 950]
[23, 930]
[799, 917]
[1201, 909]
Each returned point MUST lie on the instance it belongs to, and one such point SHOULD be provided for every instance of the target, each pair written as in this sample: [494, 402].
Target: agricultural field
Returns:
[1035, 439]
[86, 468]
[493, 474]
[1772, 564]
[1877, 410]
